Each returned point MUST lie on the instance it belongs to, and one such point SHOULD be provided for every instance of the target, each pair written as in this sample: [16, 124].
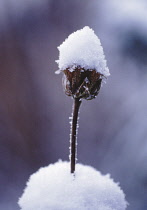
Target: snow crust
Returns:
[54, 188]
[82, 48]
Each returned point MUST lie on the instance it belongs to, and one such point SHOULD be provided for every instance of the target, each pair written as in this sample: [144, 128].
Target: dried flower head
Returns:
[82, 60]
[82, 83]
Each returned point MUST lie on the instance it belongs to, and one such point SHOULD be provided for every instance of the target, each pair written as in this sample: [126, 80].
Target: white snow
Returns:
[54, 188]
[82, 48]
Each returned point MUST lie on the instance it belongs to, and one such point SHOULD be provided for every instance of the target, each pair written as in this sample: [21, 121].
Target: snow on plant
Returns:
[82, 61]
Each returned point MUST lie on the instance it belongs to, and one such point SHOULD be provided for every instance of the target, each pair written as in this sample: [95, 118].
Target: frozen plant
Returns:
[82, 60]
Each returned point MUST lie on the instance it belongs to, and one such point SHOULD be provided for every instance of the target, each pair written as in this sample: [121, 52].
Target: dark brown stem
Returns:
[73, 137]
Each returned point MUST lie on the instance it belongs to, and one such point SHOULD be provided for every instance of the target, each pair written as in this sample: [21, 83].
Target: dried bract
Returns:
[81, 83]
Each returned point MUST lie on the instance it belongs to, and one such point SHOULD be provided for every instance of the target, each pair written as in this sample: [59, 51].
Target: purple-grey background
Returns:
[34, 111]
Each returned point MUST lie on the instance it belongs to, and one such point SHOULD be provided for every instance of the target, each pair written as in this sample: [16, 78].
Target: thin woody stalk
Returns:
[73, 136]
[80, 84]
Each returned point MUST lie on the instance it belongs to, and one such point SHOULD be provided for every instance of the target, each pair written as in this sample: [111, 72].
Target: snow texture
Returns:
[82, 48]
[54, 188]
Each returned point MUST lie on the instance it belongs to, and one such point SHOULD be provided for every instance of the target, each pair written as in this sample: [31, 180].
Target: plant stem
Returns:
[73, 135]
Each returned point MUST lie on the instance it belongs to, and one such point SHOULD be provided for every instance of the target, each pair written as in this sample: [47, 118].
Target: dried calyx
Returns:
[81, 83]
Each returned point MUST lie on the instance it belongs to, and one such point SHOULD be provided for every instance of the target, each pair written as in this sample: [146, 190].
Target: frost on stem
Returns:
[82, 60]
[73, 134]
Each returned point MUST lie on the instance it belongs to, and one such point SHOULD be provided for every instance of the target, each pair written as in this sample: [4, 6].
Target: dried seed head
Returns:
[81, 83]
[82, 60]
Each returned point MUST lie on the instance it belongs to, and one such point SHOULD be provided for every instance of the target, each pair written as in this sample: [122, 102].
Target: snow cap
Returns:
[55, 188]
[82, 48]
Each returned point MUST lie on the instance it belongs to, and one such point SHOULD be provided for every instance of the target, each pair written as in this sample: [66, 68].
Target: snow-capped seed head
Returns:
[82, 60]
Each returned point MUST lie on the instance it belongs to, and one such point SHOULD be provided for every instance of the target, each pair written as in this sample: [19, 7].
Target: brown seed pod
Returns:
[82, 83]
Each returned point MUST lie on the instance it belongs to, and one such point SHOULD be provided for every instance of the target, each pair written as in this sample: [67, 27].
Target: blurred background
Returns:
[34, 111]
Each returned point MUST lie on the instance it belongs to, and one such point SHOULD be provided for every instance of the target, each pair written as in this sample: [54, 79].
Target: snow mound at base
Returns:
[55, 188]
